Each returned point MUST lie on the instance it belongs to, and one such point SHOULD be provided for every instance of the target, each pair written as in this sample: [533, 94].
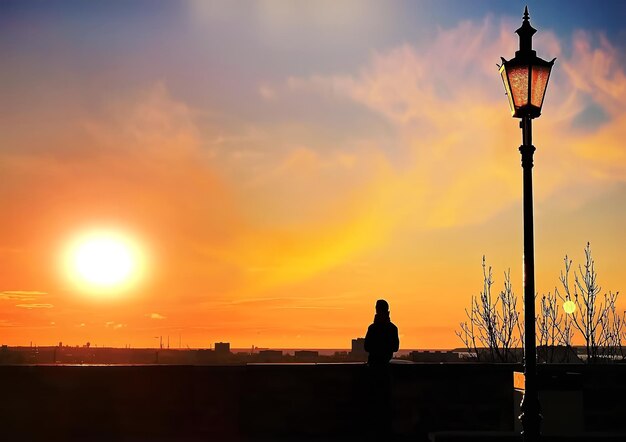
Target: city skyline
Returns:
[278, 168]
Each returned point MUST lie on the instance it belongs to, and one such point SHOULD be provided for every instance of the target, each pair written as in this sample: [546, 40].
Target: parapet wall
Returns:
[255, 402]
[243, 402]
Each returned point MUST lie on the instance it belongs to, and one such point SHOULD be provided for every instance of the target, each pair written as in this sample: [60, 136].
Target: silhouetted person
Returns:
[381, 341]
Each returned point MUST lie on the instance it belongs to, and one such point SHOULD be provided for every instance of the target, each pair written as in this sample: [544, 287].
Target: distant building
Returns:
[306, 355]
[485, 354]
[358, 349]
[434, 356]
[222, 349]
[270, 355]
[203, 356]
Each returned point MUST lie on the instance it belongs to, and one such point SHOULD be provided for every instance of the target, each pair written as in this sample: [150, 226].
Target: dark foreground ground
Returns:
[293, 402]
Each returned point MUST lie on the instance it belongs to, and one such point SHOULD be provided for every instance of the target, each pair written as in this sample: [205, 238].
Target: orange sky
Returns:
[279, 222]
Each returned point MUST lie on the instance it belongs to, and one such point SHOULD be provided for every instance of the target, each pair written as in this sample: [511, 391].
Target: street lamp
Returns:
[525, 79]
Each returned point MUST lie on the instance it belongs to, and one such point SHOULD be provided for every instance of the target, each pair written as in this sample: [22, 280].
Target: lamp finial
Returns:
[525, 33]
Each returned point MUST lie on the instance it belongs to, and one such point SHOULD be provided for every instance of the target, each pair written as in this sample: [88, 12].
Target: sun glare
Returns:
[104, 262]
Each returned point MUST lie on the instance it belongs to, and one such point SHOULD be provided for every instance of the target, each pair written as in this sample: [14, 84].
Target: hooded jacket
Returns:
[381, 340]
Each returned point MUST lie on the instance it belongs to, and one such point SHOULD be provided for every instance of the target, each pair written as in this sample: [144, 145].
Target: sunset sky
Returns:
[279, 166]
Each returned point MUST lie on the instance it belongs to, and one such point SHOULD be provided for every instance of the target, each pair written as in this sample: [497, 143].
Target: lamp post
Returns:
[525, 79]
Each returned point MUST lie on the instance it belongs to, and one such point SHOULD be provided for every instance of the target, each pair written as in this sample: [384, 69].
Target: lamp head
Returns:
[525, 76]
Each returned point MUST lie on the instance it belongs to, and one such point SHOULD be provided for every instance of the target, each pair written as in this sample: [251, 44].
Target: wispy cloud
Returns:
[448, 112]
[155, 316]
[21, 295]
[34, 306]
[267, 92]
[114, 325]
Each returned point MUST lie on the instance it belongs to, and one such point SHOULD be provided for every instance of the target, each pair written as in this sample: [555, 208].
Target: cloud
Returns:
[596, 71]
[445, 102]
[155, 316]
[446, 156]
[267, 92]
[21, 295]
[447, 133]
[34, 306]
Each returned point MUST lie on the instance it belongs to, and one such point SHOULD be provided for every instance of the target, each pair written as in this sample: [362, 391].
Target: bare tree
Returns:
[493, 328]
[611, 329]
[595, 318]
[492, 322]
[511, 327]
[547, 326]
[554, 330]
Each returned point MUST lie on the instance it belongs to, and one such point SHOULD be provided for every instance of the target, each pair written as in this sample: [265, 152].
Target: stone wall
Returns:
[270, 402]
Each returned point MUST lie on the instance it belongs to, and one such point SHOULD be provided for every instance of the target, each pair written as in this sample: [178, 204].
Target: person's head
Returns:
[382, 306]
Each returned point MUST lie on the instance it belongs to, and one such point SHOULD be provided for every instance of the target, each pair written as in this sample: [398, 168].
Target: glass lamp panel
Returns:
[507, 89]
[518, 80]
[539, 82]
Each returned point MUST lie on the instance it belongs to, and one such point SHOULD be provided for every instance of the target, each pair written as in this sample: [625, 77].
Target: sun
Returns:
[104, 261]
[569, 306]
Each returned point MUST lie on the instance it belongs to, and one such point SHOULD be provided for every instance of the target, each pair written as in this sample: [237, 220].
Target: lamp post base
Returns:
[531, 418]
